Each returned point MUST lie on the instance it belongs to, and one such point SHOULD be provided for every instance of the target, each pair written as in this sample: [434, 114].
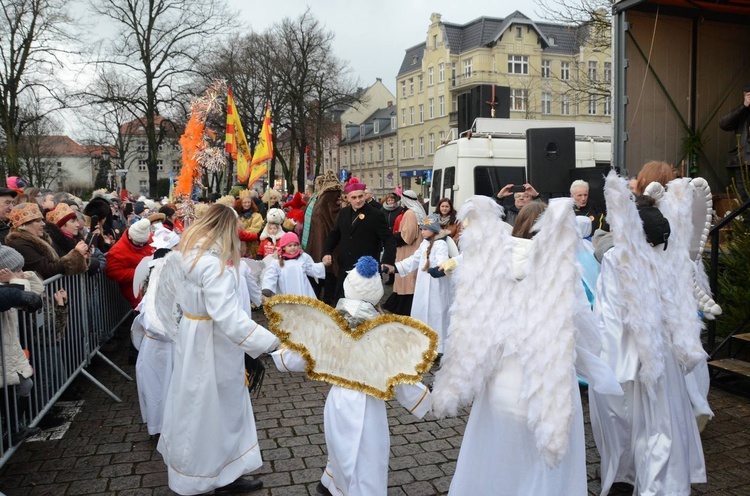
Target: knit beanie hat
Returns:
[24, 213]
[364, 282]
[431, 223]
[287, 238]
[275, 216]
[61, 214]
[10, 259]
[139, 207]
[140, 231]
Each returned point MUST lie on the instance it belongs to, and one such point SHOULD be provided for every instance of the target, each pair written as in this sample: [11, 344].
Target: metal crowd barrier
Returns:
[60, 348]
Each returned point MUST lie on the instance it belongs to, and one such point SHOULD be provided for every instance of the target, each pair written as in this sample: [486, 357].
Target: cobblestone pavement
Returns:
[107, 450]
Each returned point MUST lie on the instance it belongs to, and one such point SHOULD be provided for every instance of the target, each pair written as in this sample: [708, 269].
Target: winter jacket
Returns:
[16, 363]
[738, 121]
[63, 245]
[122, 259]
[392, 215]
[40, 257]
[252, 223]
[4, 230]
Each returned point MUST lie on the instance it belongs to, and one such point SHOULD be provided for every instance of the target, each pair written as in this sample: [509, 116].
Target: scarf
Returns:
[445, 221]
[390, 208]
[290, 256]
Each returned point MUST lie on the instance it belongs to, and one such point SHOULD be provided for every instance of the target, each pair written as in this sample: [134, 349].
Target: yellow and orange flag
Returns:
[264, 150]
[235, 141]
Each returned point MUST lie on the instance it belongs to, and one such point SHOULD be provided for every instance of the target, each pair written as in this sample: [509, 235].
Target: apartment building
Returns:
[551, 71]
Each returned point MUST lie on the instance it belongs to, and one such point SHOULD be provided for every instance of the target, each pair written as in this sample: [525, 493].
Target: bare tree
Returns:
[38, 154]
[32, 36]
[158, 44]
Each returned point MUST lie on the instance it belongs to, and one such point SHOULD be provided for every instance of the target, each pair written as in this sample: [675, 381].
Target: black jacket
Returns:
[391, 216]
[4, 230]
[738, 120]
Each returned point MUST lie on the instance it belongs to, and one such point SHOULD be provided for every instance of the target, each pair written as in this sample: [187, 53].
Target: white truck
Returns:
[493, 154]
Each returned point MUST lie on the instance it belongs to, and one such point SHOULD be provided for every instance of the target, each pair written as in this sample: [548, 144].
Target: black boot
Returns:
[321, 489]
[241, 485]
[23, 433]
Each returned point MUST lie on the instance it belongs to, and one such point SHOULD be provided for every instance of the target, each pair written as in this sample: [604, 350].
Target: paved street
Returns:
[106, 449]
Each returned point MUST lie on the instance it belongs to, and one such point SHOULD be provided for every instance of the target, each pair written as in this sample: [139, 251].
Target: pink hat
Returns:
[354, 185]
[287, 238]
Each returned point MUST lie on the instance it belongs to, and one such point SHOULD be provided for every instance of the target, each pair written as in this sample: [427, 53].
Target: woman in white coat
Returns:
[208, 436]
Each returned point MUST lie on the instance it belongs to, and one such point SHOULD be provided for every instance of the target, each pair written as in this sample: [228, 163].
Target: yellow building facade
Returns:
[551, 71]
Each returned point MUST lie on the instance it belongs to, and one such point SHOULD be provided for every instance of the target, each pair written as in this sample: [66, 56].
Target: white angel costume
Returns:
[647, 315]
[432, 296]
[208, 435]
[515, 357]
[292, 277]
[380, 357]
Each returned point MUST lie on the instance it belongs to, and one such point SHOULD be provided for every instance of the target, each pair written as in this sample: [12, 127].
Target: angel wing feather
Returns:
[171, 278]
[372, 358]
[476, 335]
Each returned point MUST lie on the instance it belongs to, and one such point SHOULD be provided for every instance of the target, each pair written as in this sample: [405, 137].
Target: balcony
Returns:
[453, 119]
[462, 83]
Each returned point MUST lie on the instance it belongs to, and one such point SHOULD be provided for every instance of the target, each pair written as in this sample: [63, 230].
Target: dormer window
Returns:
[551, 41]
[349, 133]
[393, 123]
[362, 130]
[376, 127]
[519, 32]
[414, 60]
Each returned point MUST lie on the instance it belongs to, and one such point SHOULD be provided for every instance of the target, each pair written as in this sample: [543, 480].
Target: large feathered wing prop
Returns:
[637, 272]
[702, 209]
[170, 279]
[373, 358]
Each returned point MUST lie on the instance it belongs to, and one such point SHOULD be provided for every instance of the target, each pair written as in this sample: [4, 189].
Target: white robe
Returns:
[652, 443]
[357, 433]
[292, 277]
[432, 296]
[208, 435]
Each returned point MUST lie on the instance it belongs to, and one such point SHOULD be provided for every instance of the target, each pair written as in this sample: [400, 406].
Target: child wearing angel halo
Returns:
[432, 296]
[289, 270]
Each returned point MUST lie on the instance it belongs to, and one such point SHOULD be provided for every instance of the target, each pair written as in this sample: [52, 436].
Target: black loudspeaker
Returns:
[595, 177]
[478, 102]
[550, 156]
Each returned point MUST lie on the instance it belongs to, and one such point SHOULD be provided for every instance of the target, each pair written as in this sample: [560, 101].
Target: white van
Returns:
[494, 154]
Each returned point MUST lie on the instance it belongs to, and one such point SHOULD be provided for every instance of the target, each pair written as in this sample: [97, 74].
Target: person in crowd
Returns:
[22, 198]
[737, 121]
[392, 209]
[34, 194]
[432, 296]
[169, 216]
[371, 201]
[356, 425]
[649, 439]
[126, 254]
[101, 224]
[311, 199]
[360, 230]
[17, 290]
[29, 239]
[272, 233]
[295, 213]
[289, 271]
[519, 199]
[447, 215]
[6, 205]
[579, 191]
[210, 444]
[322, 221]
[523, 227]
[250, 221]
[408, 240]
[119, 221]
[271, 199]
[63, 230]
[46, 201]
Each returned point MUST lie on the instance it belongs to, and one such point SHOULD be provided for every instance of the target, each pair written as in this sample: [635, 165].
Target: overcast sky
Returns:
[373, 35]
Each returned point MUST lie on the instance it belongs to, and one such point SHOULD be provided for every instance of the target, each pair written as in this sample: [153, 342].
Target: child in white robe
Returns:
[432, 296]
[288, 273]
[356, 424]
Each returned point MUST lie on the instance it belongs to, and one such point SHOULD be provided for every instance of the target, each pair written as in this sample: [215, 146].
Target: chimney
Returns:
[390, 102]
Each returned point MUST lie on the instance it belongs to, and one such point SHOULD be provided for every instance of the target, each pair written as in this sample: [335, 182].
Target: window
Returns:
[608, 72]
[565, 105]
[362, 154]
[143, 184]
[431, 112]
[441, 72]
[546, 64]
[380, 152]
[421, 146]
[421, 83]
[142, 165]
[441, 105]
[390, 149]
[354, 155]
[403, 148]
[403, 117]
[592, 70]
[430, 76]
[453, 74]
[176, 166]
[393, 123]
[467, 68]
[376, 127]
[371, 156]
[552, 41]
[346, 157]
[411, 115]
[411, 148]
[607, 105]
[442, 137]
[518, 99]
[348, 133]
[565, 71]
[435, 196]
[176, 147]
[449, 180]
[518, 64]
[421, 113]
[592, 104]
[432, 143]
[161, 148]
[454, 107]
[546, 102]
[141, 146]
[519, 32]
[411, 86]
[434, 41]
[403, 89]
[160, 165]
